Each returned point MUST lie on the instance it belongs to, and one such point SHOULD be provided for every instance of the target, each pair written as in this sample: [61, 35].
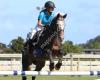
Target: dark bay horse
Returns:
[47, 47]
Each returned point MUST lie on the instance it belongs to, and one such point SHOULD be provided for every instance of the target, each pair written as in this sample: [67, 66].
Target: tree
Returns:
[17, 44]
[92, 43]
[8, 50]
[5, 49]
[2, 45]
[77, 49]
[69, 47]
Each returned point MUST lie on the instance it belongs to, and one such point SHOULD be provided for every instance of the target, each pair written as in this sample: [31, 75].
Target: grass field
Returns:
[52, 78]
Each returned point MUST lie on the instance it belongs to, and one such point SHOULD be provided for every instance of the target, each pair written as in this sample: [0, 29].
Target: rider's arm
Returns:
[40, 18]
[40, 25]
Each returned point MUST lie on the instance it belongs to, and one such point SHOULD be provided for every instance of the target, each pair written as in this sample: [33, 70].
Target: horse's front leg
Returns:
[58, 65]
[60, 58]
[51, 66]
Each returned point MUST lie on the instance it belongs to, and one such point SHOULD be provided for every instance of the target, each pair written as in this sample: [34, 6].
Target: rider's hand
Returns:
[46, 26]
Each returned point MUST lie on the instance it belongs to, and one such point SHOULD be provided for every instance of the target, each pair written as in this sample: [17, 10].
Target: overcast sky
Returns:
[18, 16]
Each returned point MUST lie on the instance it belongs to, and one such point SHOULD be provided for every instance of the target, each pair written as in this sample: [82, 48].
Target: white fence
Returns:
[10, 65]
[82, 62]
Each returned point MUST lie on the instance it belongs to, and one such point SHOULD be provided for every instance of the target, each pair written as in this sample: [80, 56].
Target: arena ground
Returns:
[52, 78]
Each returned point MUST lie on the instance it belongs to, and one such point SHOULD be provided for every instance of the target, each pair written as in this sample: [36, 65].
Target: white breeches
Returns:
[32, 33]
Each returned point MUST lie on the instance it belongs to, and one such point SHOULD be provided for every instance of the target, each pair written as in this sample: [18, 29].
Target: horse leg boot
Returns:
[51, 66]
[39, 66]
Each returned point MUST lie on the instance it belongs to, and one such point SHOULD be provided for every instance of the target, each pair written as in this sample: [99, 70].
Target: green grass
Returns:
[52, 78]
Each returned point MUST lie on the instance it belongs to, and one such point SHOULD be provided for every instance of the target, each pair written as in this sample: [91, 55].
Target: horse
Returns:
[47, 47]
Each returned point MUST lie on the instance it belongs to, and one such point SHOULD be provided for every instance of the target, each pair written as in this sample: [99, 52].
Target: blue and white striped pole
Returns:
[35, 73]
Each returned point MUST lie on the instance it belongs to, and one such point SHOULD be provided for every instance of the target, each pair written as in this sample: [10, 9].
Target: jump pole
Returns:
[46, 73]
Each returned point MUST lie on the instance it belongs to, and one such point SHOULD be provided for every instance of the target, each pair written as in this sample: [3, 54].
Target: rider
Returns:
[45, 17]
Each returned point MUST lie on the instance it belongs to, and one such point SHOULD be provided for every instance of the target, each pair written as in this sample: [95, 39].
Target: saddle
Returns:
[37, 35]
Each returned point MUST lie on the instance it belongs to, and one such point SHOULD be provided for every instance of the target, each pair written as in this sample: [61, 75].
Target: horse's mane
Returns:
[53, 21]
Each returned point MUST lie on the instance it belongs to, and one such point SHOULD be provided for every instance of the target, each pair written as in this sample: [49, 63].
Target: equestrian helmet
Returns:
[49, 4]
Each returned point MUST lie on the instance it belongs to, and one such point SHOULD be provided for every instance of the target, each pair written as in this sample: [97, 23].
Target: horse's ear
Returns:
[58, 15]
[64, 16]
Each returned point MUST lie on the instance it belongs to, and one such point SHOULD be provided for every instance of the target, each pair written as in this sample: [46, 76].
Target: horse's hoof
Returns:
[51, 66]
[52, 69]
[57, 66]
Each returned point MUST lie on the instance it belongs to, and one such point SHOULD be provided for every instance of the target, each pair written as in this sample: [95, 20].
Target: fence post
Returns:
[71, 62]
[78, 64]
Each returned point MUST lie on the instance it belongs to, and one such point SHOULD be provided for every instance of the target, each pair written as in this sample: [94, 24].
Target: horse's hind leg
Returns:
[25, 65]
[39, 66]
[24, 68]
